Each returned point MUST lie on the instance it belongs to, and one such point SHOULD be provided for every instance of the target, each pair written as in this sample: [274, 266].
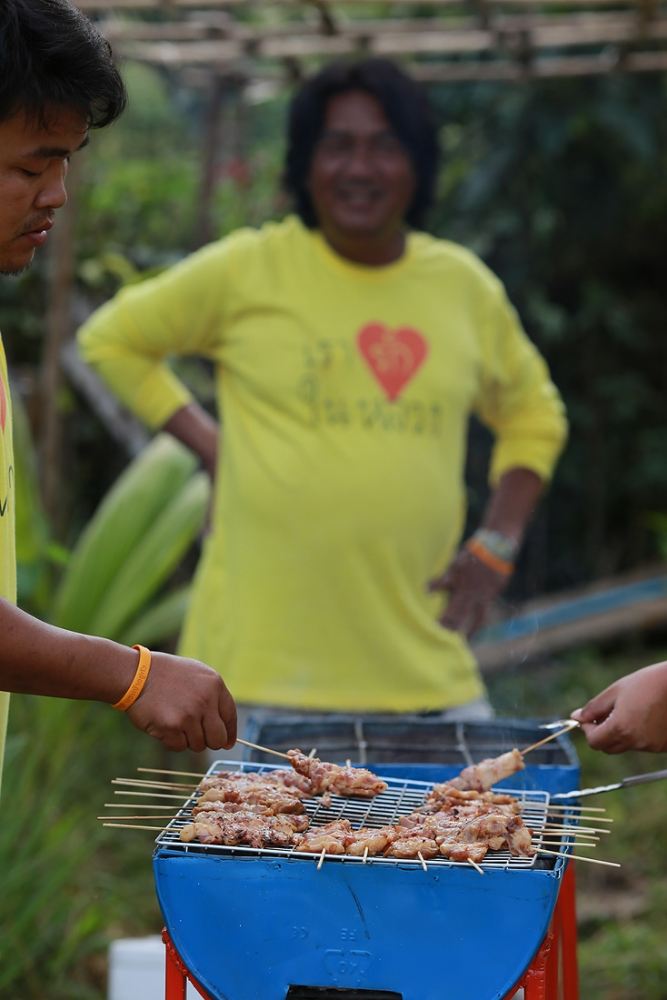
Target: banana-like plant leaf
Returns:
[160, 623]
[116, 532]
[153, 557]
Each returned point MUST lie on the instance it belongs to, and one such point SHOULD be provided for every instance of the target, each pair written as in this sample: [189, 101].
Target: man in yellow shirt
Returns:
[350, 349]
[57, 81]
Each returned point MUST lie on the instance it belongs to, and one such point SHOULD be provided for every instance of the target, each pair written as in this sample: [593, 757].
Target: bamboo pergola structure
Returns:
[277, 41]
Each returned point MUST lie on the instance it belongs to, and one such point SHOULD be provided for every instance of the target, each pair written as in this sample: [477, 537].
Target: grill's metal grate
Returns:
[402, 797]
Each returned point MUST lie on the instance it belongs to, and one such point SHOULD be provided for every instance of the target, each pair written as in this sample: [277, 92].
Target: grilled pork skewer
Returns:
[296, 783]
[335, 779]
[411, 847]
[244, 828]
[330, 838]
[276, 799]
[480, 777]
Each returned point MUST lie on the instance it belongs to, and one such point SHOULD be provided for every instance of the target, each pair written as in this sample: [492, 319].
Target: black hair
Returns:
[51, 55]
[407, 110]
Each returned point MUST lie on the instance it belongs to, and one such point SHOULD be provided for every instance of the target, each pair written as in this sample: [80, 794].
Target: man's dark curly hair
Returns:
[52, 56]
[405, 106]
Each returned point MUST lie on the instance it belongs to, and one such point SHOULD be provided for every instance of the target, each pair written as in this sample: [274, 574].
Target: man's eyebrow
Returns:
[55, 152]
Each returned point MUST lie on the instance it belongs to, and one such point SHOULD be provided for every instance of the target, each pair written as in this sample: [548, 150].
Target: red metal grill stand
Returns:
[552, 975]
[556, 961]
[177, 976]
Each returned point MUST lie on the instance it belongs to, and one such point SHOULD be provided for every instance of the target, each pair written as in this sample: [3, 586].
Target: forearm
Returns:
[513, 503]
[36, 658]
[198, 431]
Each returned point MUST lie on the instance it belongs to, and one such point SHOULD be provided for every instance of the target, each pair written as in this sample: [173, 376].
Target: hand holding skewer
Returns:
[630, 714]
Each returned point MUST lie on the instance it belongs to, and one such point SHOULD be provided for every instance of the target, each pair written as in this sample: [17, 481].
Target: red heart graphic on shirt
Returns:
[394, 356]
[3, 405]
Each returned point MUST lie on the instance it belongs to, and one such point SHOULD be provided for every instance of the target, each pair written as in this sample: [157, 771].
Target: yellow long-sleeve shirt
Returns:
[344, 393]
[7, 538]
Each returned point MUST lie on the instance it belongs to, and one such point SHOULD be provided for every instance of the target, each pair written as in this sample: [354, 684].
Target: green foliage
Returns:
[67, 883]
[34, 549]
[562, 188]
[141, 530]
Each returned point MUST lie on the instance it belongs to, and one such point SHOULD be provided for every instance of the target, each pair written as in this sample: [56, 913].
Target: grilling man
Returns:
[57, 81]
[350, 349]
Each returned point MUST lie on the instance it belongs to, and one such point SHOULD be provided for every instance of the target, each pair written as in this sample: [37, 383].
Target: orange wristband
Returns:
[495, 563]
[138, 681]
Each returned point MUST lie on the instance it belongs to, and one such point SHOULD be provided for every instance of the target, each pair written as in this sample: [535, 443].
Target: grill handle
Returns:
[635, 779]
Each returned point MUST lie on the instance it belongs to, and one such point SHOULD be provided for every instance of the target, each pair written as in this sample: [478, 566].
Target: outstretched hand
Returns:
[185, 704]
[631, 714]
[472, 587]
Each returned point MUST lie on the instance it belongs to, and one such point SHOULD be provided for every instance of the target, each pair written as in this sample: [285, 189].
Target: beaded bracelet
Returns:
[138, 681]
[498, 565]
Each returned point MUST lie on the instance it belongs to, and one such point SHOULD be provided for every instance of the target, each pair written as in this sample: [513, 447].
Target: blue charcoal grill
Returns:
[273, 925]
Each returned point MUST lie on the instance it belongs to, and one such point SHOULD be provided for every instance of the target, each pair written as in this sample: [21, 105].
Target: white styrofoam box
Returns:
[136, 970]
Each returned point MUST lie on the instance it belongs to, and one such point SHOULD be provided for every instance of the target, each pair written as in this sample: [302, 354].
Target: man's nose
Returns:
[53, 194]
[360, 162]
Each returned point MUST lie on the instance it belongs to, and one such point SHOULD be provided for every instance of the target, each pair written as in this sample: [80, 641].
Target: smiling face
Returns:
[33, 168]
[361, 179]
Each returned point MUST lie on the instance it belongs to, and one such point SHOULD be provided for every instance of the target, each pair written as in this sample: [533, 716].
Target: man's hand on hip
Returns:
[472, 587]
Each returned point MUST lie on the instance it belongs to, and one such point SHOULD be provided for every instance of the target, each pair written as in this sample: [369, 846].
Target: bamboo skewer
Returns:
[143, 783]
[162, 770]
[579, 817]
[154, 795]
[475, 866]
[583, 820]
[558, 807]
[578, 857]
[321, 861]
[136, 805]
[571, 724]
[555, 834]
[421, 858]
[134, 826]
[579, 829]
[152, 816]
[585, 810]
[539, 841]
[256, 746]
